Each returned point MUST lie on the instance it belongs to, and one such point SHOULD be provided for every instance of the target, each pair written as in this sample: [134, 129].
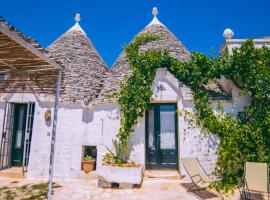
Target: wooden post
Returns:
[56, 104]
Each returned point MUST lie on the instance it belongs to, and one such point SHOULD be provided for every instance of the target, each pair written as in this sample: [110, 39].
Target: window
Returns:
[90, 151]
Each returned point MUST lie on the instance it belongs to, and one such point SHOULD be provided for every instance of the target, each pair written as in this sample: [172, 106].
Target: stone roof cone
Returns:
[84, 69]
[168, 41]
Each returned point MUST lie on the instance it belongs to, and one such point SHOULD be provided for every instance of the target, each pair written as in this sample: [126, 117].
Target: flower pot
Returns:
[88, 166]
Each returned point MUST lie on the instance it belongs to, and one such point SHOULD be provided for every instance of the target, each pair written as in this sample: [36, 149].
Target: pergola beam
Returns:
[29, 69]
[26, 45]
[8, 65]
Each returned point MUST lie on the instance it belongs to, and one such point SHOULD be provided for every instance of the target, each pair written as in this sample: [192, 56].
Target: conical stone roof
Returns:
[167, 41]
[84, 69]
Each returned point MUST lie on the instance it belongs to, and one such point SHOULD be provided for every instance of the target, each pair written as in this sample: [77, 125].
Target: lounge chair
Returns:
[201, 180]
[255, 182]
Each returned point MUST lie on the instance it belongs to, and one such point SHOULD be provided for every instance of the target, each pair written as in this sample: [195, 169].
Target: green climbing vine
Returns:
[242, 138]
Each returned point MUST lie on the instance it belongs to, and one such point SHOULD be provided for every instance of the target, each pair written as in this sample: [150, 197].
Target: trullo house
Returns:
[88, 119]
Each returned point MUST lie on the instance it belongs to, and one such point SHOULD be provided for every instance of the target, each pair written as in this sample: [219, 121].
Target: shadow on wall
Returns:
[111, 110]
[213, 142]
[137, 142]
[87, 115]
[2, 106]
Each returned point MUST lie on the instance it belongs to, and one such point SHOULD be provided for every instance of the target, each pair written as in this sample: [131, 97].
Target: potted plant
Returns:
[88, 163]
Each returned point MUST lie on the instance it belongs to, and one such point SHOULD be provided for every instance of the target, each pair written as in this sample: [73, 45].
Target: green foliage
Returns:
[88, 158]
[26, 192]
[122, 152]
[135, 94]
[120, 157]
[242, 138]
[110, 159]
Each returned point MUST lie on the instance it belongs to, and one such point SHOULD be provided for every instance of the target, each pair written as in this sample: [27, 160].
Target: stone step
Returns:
[88, 176]
[102, 183]
[162, 174]
[13, 172]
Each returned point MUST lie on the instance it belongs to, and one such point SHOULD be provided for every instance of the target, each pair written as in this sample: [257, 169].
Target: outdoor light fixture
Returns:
[48, 115]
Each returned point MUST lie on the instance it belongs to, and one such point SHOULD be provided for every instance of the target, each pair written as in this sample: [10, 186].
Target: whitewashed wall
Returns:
[79, 126]
[39, 153]
[193, 140]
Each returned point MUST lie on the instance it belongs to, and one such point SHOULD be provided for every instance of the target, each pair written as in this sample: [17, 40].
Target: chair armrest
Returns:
[196, 175]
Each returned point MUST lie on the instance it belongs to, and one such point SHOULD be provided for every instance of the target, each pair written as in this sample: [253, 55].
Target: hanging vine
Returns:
[242, 138]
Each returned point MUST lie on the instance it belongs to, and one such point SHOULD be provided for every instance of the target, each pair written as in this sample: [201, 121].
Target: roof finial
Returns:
[155, 11]
[155, 20]
[228, 33]
[77, 17]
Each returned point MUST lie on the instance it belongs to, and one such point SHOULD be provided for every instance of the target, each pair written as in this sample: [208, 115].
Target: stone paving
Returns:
[151, 189]
[79, 189]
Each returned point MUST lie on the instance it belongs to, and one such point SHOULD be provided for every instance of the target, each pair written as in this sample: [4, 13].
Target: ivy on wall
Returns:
[242, 138]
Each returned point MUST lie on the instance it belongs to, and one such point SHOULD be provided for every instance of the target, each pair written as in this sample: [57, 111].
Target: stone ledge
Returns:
[126, 177]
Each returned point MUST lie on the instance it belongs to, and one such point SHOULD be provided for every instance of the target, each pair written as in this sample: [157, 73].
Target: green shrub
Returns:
[242, 138]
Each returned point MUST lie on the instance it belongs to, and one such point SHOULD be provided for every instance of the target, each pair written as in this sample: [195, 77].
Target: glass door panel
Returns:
[167, 127]
[18, 135]
[151, 152]
[161, 137]
[151, 129]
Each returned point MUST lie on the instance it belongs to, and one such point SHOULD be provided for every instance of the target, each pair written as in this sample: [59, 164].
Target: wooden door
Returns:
[161, 137]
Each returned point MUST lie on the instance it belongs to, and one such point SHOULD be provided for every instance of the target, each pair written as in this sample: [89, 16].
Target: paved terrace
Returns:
[76, 189]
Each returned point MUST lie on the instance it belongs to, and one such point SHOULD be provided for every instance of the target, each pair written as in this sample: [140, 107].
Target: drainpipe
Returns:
[56, 104]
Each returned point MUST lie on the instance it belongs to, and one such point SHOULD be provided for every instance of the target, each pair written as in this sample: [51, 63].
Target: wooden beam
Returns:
[8, 65]
[37, 70]
[29, 70]
[23, 43]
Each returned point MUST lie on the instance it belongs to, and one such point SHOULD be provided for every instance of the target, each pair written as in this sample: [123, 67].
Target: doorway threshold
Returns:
[13, 172]
[162, 174]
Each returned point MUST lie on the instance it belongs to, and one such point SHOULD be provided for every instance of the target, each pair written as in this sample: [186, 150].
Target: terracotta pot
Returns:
[88, 166]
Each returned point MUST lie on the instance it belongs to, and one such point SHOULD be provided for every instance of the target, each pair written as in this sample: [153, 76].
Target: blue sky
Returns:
[199, 24]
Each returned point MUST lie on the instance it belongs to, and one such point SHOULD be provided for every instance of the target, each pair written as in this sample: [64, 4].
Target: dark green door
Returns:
[161, 137]
[18, 134]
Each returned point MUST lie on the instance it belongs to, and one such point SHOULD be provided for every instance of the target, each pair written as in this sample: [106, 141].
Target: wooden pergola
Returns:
[22, 55]
[24, 62]
[19, 53]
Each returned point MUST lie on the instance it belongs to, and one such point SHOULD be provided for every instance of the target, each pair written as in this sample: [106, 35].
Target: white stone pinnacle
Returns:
[77, 26]
[228, 33]
[155, 20]
[77, 17]
[155, 11]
